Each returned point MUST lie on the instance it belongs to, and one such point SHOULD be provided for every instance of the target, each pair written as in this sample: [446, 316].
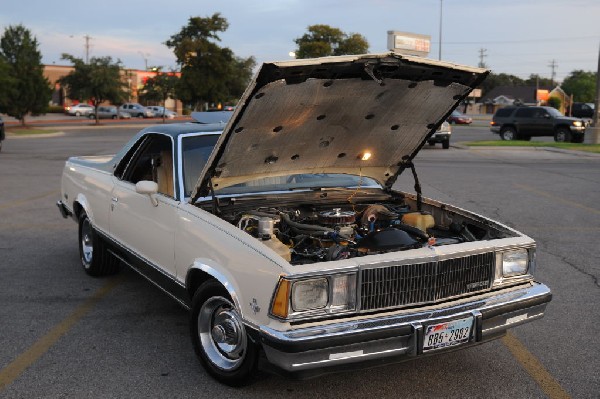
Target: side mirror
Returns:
[148, 188]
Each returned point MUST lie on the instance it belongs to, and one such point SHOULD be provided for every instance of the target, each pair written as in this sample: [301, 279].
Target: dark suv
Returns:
[523, 123]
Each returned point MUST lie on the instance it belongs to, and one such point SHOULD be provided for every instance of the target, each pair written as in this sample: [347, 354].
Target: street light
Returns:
[440, 45]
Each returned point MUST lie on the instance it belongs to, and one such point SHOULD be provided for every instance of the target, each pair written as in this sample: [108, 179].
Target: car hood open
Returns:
[365, 115]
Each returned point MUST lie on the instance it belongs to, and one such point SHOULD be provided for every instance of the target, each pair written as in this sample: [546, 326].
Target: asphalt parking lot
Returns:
[66, 335]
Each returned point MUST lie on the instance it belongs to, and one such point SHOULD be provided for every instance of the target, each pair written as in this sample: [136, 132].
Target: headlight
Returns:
[310, 294]
[314, 297]
[515, 262]
[577, 123]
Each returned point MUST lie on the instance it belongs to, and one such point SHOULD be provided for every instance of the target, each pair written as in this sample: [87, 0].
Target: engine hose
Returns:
[412, 230]
[303, 226]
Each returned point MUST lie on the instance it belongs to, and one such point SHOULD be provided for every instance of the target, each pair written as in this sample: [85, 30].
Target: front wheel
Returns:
[562, 135]
[219, 336]
[95, 259]
[578, 138]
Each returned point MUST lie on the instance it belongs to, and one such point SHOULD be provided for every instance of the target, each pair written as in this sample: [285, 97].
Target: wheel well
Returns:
[194, 279]
[77, 209]
[561, 127]
[507, 126]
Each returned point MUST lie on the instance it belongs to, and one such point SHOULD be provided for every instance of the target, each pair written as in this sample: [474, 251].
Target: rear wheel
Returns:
[508, 133]
[95, 259]
[114, 117]
[92, 116]
[562, 135]
[446, 144]
[219, 336]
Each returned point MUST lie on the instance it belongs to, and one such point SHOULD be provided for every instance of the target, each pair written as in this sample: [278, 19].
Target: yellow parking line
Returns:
[26, 200]
[534, 367]
[555, 198]
[11, 372]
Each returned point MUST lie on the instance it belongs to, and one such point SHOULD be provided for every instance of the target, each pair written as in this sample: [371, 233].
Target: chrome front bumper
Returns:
[316, 350]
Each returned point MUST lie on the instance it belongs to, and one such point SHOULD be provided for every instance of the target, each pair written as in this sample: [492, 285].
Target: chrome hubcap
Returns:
[222, 333]
[87, 248]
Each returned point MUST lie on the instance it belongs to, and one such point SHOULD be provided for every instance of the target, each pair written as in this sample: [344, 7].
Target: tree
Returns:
[25, 90]
[554, 102]
[160, 87]
[502, 79]
[98, 81]
[582, 85]
[539, 81]
[324, 40]
[209, 73]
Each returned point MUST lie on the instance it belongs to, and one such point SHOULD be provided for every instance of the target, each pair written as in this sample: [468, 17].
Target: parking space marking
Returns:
[554, 197]
[12, 204]
[11, 372]
[534, 368]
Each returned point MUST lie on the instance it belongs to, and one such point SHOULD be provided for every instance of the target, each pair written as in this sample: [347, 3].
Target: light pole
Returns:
[440, 47]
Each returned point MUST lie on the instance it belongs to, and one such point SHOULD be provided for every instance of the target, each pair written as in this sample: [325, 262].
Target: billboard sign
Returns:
[409, 43]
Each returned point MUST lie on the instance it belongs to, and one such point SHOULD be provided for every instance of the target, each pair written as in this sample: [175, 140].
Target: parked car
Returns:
[281, 231]
[2, 132]
[79, 109]
[442, 135]
[459, 118]
[523, 123]
[583, 110]
[136, 110]
[109, 112]
[159, 110]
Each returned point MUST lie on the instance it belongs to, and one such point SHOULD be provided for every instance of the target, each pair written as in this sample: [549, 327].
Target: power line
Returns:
[553, 65]
[482, 55]
[556, 39]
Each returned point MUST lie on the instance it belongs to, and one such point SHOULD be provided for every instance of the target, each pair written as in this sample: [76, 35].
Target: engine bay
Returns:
[321, 232]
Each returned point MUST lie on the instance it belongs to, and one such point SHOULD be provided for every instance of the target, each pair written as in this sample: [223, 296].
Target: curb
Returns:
[549, 149]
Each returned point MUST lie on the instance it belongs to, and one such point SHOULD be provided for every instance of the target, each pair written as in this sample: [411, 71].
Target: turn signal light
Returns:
[281, 302]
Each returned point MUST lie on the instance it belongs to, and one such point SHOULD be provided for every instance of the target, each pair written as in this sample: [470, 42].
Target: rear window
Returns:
[503, 112]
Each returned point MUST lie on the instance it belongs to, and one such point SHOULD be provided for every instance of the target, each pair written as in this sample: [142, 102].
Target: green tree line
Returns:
[209, 73]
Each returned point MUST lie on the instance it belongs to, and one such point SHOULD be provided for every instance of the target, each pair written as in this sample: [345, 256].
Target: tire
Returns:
[446, 144]
[92, 116]
[508, 133]
[141, 116]
[114, 117]
[219, 337]
[77, 113]
[562, 135]
[431, 143]
[578, 138]
[95, 259]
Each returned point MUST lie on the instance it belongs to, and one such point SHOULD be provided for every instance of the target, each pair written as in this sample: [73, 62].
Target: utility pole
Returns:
[553, 65]
[440, 48]
[482, 55]
[87, 48]
[592, 133]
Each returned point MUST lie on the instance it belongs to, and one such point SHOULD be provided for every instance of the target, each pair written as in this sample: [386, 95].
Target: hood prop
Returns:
[417, 186]
[215, 200]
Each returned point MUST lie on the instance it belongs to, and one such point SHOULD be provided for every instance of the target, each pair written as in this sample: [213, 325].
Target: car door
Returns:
[146, 228]
[525, 122]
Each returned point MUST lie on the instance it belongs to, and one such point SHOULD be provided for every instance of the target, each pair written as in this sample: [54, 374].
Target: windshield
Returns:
[553, 111]
[300, 182]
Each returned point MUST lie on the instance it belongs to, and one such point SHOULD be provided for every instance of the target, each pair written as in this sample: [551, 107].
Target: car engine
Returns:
[309, 234]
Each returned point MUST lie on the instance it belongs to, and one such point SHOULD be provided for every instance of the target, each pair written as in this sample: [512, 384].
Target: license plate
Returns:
[444, 335]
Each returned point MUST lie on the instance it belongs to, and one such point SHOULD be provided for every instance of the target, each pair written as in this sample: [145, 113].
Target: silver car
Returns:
[136, 110]
[79, 109]
[109, 112]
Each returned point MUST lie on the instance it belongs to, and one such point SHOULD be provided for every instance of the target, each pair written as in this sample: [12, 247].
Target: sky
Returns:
[519, 37]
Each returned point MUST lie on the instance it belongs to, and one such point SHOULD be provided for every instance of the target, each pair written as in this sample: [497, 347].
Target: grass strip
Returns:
[516, 143]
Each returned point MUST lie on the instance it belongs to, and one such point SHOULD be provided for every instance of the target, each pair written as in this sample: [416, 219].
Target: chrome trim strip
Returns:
[482, 303]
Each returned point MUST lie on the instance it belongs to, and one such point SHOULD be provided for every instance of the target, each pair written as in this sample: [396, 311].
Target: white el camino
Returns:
[278, 228]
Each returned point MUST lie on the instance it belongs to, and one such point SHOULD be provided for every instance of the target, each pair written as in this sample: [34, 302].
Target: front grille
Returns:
[405, 285]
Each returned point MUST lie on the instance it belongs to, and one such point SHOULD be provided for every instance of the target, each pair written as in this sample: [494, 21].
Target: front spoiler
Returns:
[316, 350]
